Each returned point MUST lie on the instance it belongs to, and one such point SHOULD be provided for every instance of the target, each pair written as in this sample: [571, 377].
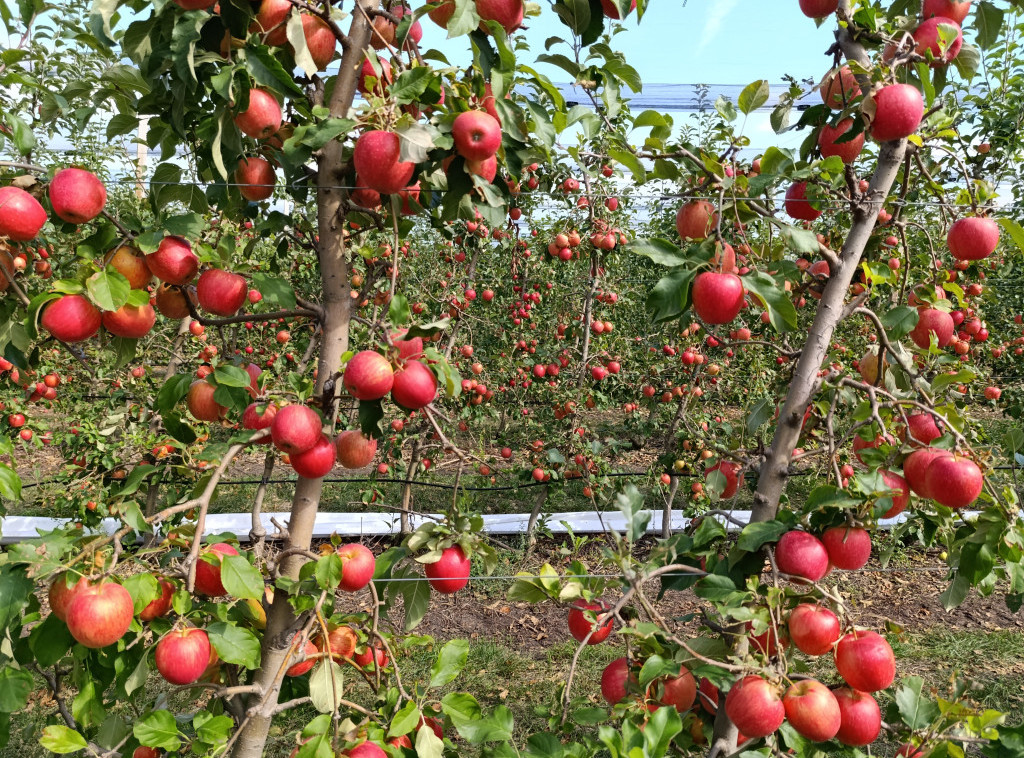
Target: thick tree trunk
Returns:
[335, 337]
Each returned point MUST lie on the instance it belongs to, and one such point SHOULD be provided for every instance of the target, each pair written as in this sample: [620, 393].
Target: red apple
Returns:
[797, 204]
[922, 430]
[171, 302]
[100, 614]
[377, 162]
[613, 681]
[373, 656]
[182, 655]
[803, 555]
[382, 81]
[814, 629]
[262, 118]
[259, 416]
[580, 626]
[708, 694]
[320, 40]
[21, 215]
[848, 548]
[840, 88]
[270, 20]
[827, 142]
[477, 135]
[932, 321]
[296, 429]
[366, 750]
[695, 220]
[717, 297]
[972, 238]
[415, 386]
[309, 649]
[508, 13]
[612, 12]
[173, 262]
[730, 471]
[61, 593]
[754, 706]
[679, 691]
[341, 642]
[357, 566]
[954, 9]
[158, 606]
[451, 573]
[915, 468]
[131, 321]
[860, 717]
[927, 36]
[368, 375]
[208, 569]
[901, 490]
[812, 710]
[71, 318]
[221, 292]
[316, 462]
[355, 450]
[817, 9]
[898, 109]
[954, 481]
[131, 264]
[255, 178]
[77, 195]
[865, 660]
[201, 404]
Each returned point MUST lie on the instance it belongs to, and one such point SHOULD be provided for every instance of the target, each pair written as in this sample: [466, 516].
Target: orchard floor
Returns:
[520, 653]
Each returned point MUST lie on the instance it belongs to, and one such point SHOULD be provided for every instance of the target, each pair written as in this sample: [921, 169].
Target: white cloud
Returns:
[718, 14]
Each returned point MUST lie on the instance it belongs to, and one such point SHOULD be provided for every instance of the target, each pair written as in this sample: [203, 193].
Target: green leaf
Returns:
[574, 13]
[172, 393]
[899, 321]
[753, 96]
[660, 251]
[670, 297]
[988, 21]
[50, 641]
[276, 292]
[757, 533]
[781, 311]
[762, 411]
[158, 729]
[241, 578]
[62, 740]
[799, 240]
[10, 483]
[403, 722]
[235, 644]
[398, 310]
[144, 589]
[232, 376]
[715, 588]
[15, 590]
[428, 744]
[1015, 231]
[416, 596]
[327, 686]
[725, 108]
[109, 289]
[630, 503]
[956, 592]
[415, 142]
[450, 661]
[915, 709]
[15, 687]
[831, 497]
[328, 571]
[628, 159]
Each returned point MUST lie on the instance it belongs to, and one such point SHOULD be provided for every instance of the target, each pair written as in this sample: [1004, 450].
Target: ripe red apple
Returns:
[159, 606]
[451, 573]
[182, 655]
[21, 215]
[580, 625]
[954, 481]
[71, 318]
[415, 386]
[848, 548]
[972, 238]
[730, 471]
[131, 321]
[173, 261]
[201, 404]
[382, 81]
[208, 569]
[898, 109]
[144, 751]
[814, 629]
[860, 717]
[486, 169]
[812, 710]
[77, 195]
[477, 135]
[408, 348]
[320, 40]
[221, 292]
[373, 655]
[309, 649]
[695, 220]
[901, 496]
[754, 706]
[909, 750]
[915, 468]
[613, 680]
[259, 416]
[801, 554]
[61, 593]
[927, 37]
[100, 614]
[954, 9]
[717, 297]
[368, 376]
[171, 302]
[840, 88]
[848, 150]
[354, 450]
[818, 9]
[932, 321]
[865, 660]
[922, 430]
[679, 691]
[612, 12]
[316, 462]
[708, 694]
[508, 13]
[377, 162]
[357, 566]
[255, 178]
[797, 204]
[296, 429]
[131, 264]
[366, 750]
[262, 118]
[270, 20]
[341, 642]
